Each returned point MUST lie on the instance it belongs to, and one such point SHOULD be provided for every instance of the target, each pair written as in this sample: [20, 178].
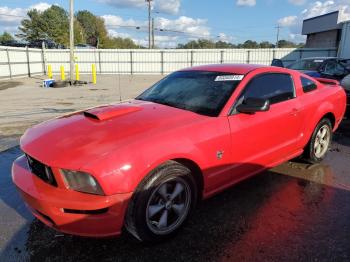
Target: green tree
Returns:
[199, 44]
[94, 28]
[51, 24]
[249, 44]
[79, 33]
[266, 44]
[222, 44]
[286, 44]
[120, 43]
[5, 37]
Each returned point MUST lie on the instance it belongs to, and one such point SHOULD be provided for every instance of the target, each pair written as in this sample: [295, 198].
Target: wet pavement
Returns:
[294, 212]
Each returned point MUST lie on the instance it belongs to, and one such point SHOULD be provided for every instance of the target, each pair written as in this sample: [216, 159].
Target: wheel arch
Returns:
[195, 171]
[331, 118]
[329, 115]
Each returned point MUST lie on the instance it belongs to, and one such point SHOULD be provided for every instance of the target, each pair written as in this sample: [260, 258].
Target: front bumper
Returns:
[54, 205]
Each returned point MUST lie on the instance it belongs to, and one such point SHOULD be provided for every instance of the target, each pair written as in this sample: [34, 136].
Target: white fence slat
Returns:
[143, 61]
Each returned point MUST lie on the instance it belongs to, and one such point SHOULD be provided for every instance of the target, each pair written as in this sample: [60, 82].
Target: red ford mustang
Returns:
[143, 164]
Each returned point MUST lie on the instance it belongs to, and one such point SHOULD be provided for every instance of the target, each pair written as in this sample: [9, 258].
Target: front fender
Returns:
[121, 172]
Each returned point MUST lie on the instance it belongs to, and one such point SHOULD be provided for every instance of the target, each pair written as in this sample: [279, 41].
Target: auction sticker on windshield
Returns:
[229, 78]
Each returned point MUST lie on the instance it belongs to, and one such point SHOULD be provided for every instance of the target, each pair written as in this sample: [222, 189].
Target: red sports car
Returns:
[144, 164]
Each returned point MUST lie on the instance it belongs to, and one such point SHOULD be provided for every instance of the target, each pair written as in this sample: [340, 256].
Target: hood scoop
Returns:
[110, 111]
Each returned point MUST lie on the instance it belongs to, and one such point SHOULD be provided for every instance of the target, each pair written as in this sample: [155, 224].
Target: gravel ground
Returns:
[23, 102]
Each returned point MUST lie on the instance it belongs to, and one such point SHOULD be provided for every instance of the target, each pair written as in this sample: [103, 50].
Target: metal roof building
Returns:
[328, 30]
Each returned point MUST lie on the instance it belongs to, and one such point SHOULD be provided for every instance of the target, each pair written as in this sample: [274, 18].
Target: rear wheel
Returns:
[162, 203]
[320, 142]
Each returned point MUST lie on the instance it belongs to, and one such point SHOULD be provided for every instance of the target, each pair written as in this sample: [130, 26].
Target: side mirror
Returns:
[277, 62]
[252, 105]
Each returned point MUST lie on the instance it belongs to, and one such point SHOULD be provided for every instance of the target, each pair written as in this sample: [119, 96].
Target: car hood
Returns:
[75, 140]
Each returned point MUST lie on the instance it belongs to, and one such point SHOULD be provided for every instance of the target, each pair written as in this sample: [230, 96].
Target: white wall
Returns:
[14, 61]
[344, 48]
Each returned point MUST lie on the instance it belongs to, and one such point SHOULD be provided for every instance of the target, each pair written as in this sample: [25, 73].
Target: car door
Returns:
[264, 138]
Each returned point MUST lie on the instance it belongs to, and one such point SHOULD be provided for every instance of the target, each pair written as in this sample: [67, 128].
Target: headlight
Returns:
[82, 182]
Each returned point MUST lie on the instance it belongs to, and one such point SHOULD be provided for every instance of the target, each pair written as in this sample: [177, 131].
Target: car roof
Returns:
[226, 68]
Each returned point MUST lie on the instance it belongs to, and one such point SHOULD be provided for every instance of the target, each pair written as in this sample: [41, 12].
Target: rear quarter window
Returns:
[308, 85]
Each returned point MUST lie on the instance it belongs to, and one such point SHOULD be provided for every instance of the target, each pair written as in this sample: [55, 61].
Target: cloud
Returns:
[166, 6]
[225, 38]
[13, 16]
[288, 21]
[246, 2]
[294, 23]
[112, 21]
[41, 7]
[173, 30]
[319, 8]
[297, 2]
[191, 26]
[162, 41]
[125, 3]
[114, 33]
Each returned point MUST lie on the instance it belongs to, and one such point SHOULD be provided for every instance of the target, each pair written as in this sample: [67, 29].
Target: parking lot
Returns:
[24, 103]
[294, 212]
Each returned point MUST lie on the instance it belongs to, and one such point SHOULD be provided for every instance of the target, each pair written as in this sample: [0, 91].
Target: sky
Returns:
[228, 20]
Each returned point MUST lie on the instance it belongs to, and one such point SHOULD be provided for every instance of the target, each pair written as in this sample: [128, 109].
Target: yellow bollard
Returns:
[94, 74]
[49, 71]
[63, 75]
[77, 75]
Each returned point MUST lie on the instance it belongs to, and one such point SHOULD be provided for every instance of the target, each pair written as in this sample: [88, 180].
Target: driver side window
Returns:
[276, 87]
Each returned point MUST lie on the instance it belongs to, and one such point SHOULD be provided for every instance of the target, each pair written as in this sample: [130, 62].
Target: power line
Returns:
[1, 14]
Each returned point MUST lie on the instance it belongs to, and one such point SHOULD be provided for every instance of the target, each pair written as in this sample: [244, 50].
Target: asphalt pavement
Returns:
[294, 212]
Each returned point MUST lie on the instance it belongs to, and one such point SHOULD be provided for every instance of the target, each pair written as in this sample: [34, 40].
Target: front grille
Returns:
[41, 170]
[86, 212]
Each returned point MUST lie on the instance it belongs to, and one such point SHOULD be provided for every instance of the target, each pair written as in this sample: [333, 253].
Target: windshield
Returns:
[201, 92]
[307, 64]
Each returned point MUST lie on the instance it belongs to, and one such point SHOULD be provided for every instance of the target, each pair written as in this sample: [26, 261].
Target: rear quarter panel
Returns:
[316, 104]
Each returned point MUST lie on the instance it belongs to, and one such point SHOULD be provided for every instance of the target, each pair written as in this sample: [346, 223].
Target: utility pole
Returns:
[149, 22]
[153, 33]
[278, 35]
[71, 40]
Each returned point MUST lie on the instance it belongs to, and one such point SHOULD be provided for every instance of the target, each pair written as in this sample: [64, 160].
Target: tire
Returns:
[161, 203]
[316, 151]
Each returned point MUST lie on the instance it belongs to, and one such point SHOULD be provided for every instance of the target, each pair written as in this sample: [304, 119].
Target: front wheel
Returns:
[162, 203]
[320, 142]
